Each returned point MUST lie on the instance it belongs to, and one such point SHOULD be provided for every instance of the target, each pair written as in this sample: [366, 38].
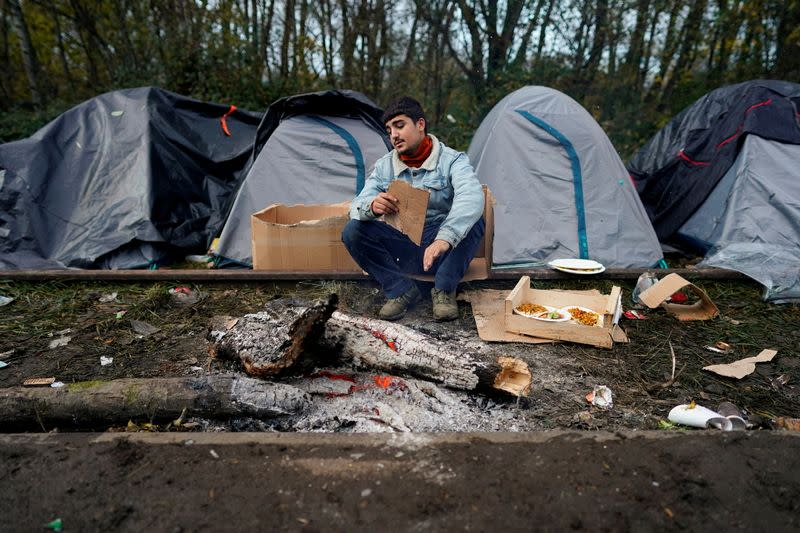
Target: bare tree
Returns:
[29, 59]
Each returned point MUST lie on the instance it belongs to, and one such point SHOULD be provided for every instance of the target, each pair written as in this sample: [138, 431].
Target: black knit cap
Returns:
[405, 105]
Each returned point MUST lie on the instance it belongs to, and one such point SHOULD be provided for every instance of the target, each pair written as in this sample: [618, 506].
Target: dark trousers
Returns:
[389, 256]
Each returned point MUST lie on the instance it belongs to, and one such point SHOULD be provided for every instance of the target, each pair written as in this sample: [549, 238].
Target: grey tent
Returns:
[561, 188]
[721, 179]
[311, 148]
[127, 179]
[751, 220]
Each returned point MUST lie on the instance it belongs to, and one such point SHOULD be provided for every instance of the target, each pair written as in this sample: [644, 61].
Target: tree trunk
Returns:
[29, 59]
[97, 405]
[543, 29]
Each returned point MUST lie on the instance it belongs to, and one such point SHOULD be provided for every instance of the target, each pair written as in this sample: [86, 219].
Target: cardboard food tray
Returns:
[608, 306]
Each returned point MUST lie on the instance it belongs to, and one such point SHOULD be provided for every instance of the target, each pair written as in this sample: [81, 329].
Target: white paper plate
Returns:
[531, 315]
[598, 322]
[577, 266]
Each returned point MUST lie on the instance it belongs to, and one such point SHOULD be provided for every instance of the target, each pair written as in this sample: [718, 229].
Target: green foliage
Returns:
[224, 52]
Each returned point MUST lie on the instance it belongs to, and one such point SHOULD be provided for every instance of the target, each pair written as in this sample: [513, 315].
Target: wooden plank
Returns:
[246, 275]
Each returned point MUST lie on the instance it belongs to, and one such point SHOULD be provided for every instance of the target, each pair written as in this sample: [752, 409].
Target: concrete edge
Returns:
[400, 440]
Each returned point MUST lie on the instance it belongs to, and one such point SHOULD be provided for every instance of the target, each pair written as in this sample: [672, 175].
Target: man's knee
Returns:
[351, 232]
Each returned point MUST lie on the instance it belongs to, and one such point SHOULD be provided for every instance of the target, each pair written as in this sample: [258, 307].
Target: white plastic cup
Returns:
[699, 417]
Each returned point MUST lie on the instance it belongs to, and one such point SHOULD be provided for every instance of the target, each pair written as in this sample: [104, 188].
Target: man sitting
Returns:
[454, 225]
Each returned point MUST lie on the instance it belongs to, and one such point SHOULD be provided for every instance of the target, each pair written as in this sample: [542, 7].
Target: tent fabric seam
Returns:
[354, 148]
[577, 178]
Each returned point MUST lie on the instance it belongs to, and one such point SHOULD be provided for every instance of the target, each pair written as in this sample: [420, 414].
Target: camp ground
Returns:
[115, 337]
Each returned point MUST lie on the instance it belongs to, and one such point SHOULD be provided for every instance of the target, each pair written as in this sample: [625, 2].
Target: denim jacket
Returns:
[456, 200]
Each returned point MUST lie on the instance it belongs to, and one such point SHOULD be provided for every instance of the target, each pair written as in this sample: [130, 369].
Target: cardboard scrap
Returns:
[413, 204]
[742, 367]
[488, 307]
[35, 382]
[660, 294]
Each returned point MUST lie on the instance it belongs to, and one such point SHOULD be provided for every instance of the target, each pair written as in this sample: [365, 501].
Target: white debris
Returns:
[61, 341]
[105, 361]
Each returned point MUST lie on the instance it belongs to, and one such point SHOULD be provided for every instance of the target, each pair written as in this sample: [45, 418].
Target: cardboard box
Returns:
[660, 293]
[608, 306]
[301, 238]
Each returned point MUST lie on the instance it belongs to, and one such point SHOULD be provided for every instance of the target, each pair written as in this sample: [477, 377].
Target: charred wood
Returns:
[95, 405]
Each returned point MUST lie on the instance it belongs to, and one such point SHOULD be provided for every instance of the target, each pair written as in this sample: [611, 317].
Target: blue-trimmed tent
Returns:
[561, 189]
[310, 148]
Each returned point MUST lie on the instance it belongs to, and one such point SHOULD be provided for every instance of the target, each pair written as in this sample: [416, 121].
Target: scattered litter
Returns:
[601, 397]
[678, 298]
[732, 413]
[55, 525]
[304, 521]
[36, 382]
[5, 300]
[699, 417]
[133, 427]
[184, 295]
[645, 281]
[633, 314]
[742, 367]
[188, 442]
[790, 424]
[61, 341]
[366, 493]
[105, 361]
[3, 364]
[196, 368]
[143, 328]
[720, 347]
[8, 353]
[119, 314]
[107, 298]
[214, 454]
[57, 385]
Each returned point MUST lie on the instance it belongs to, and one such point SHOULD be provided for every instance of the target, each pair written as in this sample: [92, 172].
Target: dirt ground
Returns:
[549, 481]
[639, 373]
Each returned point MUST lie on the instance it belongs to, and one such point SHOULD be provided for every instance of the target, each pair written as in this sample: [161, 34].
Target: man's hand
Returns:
[432, 253]
[385, 204]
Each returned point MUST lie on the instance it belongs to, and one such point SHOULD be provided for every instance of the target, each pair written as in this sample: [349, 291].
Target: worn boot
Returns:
[397, 307]
[444, 305]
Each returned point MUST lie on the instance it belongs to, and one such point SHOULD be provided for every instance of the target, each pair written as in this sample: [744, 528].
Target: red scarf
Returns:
[416, 159]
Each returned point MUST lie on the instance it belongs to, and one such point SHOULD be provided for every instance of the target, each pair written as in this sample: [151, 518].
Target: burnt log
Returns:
[286, 334]
[95, 405]
[395, 348]
[269, 341]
